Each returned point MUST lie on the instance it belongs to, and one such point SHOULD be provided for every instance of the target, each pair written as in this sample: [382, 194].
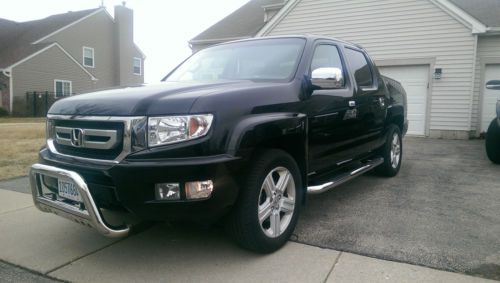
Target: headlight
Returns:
[173, 129]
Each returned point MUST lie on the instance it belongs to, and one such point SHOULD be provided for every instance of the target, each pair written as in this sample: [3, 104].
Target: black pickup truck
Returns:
[239, 132]
[493, 134]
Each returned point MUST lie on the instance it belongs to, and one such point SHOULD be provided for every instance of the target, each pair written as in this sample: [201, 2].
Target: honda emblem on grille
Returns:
[77, 137]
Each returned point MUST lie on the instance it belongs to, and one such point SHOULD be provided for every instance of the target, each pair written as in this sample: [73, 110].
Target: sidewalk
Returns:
[56, 247]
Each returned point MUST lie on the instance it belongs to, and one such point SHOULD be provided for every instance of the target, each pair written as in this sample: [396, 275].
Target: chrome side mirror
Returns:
[493, 85]
[327, 78]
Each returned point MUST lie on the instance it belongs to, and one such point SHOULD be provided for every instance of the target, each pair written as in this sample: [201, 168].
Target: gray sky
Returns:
[161, 28]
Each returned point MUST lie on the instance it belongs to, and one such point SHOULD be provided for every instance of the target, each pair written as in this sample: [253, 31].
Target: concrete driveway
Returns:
[442, 211]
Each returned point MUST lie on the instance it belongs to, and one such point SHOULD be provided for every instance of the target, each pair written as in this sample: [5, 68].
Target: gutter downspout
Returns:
[8, 74]
[473, 87]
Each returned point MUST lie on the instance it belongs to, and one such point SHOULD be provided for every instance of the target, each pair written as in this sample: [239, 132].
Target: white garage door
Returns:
[490, 96]
[415, 80]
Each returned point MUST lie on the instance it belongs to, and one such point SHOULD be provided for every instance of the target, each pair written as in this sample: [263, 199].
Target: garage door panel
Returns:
[415, 80]
[490, 96]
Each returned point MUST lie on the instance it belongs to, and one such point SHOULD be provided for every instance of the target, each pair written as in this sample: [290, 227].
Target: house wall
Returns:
[488, 51]
[96, 32]
[39, 73]
[4, 91]
[125, 49]
[399, 30]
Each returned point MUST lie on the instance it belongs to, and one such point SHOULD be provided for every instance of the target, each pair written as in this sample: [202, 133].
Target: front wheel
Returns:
[268, 205]
[493, 142]
[392, 152]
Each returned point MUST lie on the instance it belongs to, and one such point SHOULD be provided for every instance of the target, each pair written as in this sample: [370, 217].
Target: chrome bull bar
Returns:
[90, 215]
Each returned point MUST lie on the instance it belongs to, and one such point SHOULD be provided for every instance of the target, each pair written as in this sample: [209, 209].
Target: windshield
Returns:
[270, 59]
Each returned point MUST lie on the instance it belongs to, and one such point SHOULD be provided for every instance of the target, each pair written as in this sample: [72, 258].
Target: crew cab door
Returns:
[331, 123]
[370, 101]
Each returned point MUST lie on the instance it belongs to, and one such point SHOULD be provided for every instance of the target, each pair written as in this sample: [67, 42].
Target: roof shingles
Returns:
[485, 11]
[17, 37]
[244, 22]
[249, 19]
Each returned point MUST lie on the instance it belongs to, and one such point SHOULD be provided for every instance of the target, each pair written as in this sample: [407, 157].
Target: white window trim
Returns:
[140, 66]
[63, 81]
[83, 57]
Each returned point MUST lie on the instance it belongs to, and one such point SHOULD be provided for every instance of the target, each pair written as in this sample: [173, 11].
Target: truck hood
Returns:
[165, 98]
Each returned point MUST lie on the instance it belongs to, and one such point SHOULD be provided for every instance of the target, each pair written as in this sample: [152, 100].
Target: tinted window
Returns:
[326, 56]
[273, 59]
[359, 67]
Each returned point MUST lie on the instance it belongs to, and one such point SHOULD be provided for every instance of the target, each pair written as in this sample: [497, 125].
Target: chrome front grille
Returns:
[94, 138]
[87, 138]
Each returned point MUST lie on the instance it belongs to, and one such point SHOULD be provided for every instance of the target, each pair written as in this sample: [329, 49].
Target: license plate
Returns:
[68, 190]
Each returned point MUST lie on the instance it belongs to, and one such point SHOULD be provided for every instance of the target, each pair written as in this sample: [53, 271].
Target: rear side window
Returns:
[359, 67]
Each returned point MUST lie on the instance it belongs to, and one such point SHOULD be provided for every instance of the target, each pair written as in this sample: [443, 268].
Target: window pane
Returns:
[137, 66]
[59, 89]
[360, 67]
[88, 52]
[66, 88]
[88, 62]
[137, 62]
[88, 57]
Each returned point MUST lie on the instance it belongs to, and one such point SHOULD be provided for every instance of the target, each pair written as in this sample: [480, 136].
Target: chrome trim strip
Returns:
[345, 177]
[129, 123]
[91, 216]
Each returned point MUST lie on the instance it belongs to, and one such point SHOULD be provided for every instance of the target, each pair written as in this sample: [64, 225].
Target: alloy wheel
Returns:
[395, 151]
[276, 202]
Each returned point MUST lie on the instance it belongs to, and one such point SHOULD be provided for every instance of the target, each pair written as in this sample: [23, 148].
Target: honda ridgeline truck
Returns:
[241, 131]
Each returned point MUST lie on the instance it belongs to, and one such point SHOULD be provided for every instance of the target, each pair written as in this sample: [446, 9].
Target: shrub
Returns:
[3, 112]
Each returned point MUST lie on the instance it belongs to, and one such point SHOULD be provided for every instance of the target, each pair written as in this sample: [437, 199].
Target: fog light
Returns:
[167, 191]
[199, 190]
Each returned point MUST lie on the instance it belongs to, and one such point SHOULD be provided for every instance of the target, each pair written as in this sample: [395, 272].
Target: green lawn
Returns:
[20, 140]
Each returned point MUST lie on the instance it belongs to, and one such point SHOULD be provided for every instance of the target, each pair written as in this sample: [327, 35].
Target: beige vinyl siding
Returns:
[487, 47]
[95, 32]
[136, 79]
[404, 30]
[39, 73]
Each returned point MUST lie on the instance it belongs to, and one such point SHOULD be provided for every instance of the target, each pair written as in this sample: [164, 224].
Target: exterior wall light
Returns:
[438, 73]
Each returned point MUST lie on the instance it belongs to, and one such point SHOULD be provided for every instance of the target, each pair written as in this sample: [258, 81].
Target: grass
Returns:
[21, 120]
[20, 141]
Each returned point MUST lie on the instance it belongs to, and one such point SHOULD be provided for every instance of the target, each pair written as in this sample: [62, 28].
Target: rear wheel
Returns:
[268, 205]
[493, 142]
[392, 152]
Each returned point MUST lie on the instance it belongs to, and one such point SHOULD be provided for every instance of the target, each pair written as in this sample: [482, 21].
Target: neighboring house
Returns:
[443, 51]
[67, 54]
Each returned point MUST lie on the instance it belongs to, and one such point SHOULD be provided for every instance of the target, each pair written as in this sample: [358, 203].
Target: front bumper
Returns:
[88, 214]
[129, 186]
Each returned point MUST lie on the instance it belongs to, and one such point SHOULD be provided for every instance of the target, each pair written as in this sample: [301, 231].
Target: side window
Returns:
[359, 67]
[62, 88]
[88, 57]
[326, 56]
[137, 69]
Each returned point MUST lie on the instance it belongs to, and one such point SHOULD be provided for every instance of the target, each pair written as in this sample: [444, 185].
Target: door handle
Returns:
[352, 103]
[380, 101]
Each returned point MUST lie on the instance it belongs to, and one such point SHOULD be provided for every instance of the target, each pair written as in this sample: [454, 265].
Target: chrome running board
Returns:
[344, 177]
[90, 215]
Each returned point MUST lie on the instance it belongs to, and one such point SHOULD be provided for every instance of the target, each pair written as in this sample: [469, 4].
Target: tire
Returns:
[392, 152]
[265, 192]
[493, 142]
